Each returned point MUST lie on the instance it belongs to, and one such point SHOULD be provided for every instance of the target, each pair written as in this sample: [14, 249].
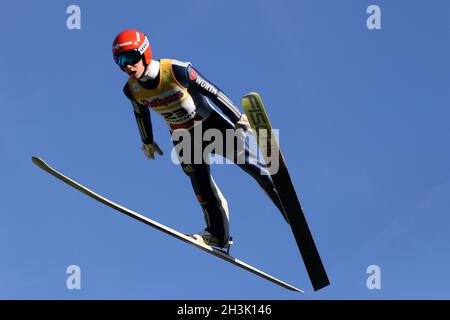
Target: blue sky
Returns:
[363, 126]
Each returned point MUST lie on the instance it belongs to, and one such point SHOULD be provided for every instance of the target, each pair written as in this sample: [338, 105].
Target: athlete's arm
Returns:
[194, 81]
[143, 118]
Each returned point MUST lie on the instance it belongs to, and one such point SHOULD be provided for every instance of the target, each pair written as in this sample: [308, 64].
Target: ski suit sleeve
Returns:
[199, 83]
[143, 118]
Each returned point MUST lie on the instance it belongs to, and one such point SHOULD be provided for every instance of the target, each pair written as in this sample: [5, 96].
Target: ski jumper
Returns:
[181, 95]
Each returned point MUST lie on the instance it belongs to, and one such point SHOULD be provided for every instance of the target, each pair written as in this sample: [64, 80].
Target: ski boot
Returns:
[210, 240]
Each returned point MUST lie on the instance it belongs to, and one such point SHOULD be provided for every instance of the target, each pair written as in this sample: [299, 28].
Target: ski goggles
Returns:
[128, 58]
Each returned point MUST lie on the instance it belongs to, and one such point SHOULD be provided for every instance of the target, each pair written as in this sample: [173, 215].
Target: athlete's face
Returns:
[135, 71]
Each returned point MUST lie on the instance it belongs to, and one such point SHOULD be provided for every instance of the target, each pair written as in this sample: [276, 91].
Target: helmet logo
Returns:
[144, 46]
[123, 44]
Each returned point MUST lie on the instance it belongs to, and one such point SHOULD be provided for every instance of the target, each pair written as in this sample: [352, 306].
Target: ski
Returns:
[257, 116]
[178, 235]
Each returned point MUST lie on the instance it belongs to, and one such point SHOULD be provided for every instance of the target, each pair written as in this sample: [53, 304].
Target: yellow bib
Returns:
[170, 99]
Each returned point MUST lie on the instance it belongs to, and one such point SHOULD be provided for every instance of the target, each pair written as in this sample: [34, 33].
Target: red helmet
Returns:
[132, 40]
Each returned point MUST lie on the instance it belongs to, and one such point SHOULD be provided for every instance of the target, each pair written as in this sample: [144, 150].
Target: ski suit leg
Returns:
[213, 203]
[262, 177]
[251, 166]
[209, 196]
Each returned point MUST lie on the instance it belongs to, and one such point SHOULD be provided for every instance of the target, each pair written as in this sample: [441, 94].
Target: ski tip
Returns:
[39, 162]
[36, 160]
[251, 95]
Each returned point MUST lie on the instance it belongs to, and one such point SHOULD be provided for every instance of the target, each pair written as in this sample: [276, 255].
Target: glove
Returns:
[150, 149]
[243, 123]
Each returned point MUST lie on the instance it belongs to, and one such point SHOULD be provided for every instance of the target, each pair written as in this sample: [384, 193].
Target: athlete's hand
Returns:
[243, 123]
[150, 149]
